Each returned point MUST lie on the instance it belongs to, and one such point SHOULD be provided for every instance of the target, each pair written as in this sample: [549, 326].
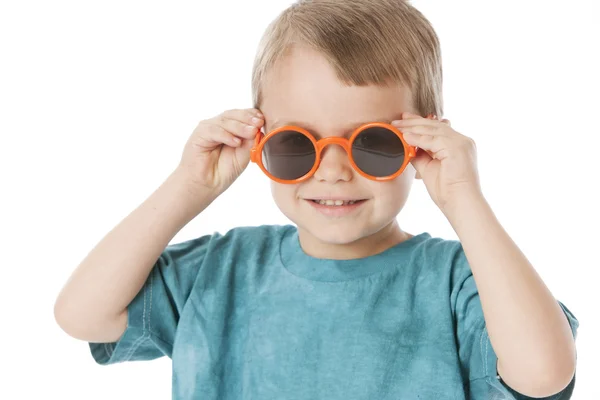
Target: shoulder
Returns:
[441, 256]
[243, 234]
[252, 235]
[239, 240]
[437, 249]
[248, 241]
[260, 232]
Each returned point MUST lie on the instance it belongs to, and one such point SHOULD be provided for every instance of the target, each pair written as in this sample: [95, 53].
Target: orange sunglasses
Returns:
[291, 154]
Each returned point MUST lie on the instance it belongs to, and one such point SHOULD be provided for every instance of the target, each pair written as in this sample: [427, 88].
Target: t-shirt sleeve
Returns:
[477, 357]
[154, 313]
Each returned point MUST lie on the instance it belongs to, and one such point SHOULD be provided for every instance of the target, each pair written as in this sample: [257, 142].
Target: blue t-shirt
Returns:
[249, 315]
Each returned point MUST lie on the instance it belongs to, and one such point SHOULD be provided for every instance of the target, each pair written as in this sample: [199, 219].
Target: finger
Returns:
[244, 115]
[217, 134]
[431, 130]
[249, 121]
[432, 144]
[239, 128]
[420, 162]
[404, 123]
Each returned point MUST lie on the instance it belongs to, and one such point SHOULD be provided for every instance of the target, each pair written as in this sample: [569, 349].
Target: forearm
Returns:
[528, 330]
[106, 281]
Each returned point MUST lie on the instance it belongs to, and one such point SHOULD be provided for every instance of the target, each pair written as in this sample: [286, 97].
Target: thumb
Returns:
[420, 162]
[242, 152]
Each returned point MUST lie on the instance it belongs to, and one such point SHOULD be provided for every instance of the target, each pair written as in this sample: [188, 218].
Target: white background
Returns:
[97, 100]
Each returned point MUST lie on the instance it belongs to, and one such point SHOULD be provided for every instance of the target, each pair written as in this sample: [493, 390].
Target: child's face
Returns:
[303, 90]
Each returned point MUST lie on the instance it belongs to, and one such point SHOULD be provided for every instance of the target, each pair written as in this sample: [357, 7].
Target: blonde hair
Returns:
[378, 42]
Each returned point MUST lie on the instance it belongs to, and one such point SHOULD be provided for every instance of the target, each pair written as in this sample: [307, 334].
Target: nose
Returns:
[334, 165]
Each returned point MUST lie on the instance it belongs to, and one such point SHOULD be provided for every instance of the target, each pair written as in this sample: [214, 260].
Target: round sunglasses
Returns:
[291, 154]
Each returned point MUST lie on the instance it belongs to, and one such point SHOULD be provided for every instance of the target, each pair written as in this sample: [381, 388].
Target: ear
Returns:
[444, 120]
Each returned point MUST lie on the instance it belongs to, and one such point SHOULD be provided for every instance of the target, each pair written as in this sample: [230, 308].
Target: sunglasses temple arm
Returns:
[412, 151]
[253, 151]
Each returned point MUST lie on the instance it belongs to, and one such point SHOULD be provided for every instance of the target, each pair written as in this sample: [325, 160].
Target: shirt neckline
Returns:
[296, 261]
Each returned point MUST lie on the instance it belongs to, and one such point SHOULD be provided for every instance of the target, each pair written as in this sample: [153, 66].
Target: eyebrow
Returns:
[347, 130]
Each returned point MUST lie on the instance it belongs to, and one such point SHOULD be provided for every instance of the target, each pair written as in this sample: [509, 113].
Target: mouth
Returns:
[336, 208]
[336, 203]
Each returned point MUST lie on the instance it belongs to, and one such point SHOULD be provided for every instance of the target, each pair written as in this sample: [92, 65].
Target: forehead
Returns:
[303, 87]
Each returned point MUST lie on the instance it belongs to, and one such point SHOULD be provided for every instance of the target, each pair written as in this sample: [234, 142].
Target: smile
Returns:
[336, 208]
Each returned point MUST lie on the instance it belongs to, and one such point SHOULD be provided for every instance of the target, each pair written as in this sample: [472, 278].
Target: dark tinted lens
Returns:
[378, 151]
[288, 155]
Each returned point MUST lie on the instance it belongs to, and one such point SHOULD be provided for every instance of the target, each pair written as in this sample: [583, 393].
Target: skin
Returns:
[303, 90]
[528, 330]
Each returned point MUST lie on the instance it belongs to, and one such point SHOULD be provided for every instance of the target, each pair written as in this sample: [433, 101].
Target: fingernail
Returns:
[256, 120]
[249, 128]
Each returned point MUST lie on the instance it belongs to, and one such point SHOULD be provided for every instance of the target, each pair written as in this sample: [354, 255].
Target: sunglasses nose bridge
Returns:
[342, 142]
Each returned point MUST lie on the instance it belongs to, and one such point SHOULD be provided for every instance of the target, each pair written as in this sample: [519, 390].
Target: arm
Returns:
[92, 306]
[527, 327]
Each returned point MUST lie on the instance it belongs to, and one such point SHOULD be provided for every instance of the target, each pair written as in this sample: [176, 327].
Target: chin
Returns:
[335, 234]
[338, 232]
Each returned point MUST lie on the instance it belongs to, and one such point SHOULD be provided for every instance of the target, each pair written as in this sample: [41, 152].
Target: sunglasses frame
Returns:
[319, 145]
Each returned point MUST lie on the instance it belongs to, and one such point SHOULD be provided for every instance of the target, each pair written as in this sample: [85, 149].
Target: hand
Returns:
[218, 150]
[446, 160]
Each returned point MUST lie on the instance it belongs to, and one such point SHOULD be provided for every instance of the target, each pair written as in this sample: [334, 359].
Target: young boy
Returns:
[343, 304]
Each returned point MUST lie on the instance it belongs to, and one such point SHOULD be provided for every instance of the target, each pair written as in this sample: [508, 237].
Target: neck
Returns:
[366, 246]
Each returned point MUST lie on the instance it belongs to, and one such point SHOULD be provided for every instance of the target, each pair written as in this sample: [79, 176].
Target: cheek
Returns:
[409, 170]
[392, 194]
[284, 195]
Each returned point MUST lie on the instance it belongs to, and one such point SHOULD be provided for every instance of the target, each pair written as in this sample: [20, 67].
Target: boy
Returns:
[343, 304]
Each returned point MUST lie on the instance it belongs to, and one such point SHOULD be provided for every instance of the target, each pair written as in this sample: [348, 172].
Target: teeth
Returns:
[335, 202]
